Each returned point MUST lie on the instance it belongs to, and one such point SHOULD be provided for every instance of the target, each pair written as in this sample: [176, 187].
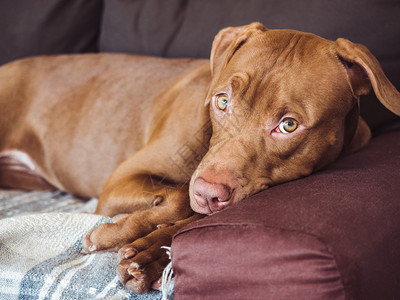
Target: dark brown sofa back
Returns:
[186, 28]
[48, 27]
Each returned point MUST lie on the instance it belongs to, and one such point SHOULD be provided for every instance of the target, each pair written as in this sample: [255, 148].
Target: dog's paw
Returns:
[109, 236]
[101, 238]
[143, 261]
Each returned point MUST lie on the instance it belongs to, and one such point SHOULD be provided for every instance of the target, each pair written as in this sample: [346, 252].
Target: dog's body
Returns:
[88, 117]
[282, 104]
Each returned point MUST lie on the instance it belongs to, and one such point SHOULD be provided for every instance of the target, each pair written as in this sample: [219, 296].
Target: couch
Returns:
[332, 235]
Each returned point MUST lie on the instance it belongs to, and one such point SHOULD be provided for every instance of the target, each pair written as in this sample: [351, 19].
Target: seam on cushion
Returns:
[328, 248]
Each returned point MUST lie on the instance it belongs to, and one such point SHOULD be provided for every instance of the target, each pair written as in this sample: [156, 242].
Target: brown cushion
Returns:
[335, 232]
[48, 27]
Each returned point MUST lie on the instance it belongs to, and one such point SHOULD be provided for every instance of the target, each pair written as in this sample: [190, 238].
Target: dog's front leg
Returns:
[149, 205]
[164, 206]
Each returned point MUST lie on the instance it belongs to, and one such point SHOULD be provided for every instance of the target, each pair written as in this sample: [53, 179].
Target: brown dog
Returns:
[275, 105]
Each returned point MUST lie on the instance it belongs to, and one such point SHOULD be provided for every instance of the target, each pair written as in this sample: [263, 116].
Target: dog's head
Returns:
[283, 104]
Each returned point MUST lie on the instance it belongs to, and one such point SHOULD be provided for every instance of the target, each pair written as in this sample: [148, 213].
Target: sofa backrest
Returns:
[39, 27]
[186, 28]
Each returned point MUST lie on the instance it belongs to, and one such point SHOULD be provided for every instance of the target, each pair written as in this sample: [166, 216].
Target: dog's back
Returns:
[93, 111]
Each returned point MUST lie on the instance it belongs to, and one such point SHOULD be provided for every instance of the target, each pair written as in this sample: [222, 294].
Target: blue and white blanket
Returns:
[40, 252]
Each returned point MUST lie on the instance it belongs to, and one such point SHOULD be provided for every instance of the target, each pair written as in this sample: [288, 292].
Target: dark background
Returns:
[186, 28]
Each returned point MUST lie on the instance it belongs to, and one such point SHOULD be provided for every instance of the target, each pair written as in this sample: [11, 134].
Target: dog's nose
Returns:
[215, 196]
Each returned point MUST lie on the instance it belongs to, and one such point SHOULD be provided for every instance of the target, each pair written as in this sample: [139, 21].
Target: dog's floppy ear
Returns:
[364, 71]
[226, 43]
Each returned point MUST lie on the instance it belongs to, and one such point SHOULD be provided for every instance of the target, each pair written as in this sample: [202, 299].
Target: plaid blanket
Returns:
[40, 252]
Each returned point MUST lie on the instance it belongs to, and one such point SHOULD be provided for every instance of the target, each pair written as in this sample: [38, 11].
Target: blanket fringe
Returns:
[167, 284]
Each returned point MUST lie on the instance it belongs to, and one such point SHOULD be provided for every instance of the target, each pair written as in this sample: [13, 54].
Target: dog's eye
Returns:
[288, 125]
[221, 101]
